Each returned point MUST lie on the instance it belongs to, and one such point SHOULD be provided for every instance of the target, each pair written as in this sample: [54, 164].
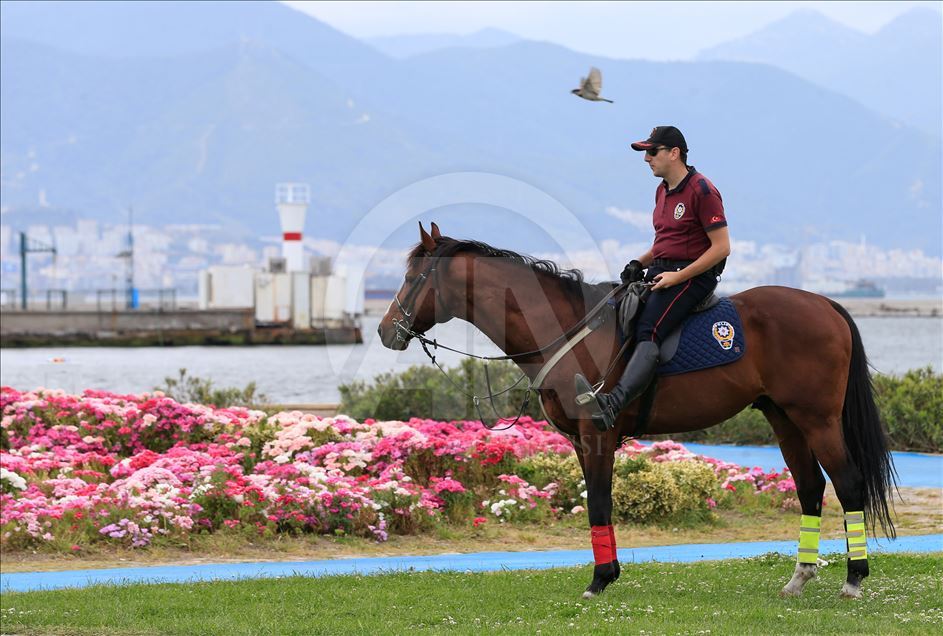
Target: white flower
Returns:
[13, 479]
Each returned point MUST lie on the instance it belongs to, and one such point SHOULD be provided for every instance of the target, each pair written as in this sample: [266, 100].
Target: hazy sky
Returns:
[651, 30]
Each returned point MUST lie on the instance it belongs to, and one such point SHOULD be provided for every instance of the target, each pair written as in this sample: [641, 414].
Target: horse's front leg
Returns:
[597, 452]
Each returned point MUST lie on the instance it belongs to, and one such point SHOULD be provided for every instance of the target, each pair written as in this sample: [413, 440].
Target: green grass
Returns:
[903, 595]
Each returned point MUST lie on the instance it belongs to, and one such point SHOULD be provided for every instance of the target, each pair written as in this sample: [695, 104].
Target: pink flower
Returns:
[166, 466]
[446, 485]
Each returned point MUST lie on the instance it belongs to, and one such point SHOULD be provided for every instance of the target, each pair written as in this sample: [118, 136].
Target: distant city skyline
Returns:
[173, 256]
[630, 30]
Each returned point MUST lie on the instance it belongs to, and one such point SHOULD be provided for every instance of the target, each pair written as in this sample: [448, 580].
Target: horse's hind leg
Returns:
[828, 444]
[810, 487]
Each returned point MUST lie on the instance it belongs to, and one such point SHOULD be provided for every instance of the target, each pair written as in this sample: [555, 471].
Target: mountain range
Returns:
[897, 71]
[193, 111]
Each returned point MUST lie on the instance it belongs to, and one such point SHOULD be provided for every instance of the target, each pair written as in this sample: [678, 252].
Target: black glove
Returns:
[633, 272]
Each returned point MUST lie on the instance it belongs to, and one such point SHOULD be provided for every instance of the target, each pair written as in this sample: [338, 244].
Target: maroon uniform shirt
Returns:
[683, 217]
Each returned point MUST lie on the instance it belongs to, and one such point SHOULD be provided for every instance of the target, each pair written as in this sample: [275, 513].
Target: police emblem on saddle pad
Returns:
[708, 339]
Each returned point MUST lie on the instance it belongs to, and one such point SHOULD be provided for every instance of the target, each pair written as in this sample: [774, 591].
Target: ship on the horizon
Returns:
[861, 288]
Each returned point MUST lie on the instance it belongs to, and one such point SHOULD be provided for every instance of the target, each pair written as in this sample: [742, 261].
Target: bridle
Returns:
[404, 326]
[404, 332]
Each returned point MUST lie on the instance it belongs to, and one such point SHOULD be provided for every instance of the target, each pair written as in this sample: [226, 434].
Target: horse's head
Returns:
[414, 308]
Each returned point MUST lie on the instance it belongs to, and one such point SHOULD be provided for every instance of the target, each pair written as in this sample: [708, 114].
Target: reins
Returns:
[403, 330]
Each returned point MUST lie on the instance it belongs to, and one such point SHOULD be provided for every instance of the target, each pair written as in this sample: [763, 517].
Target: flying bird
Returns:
[591, 86]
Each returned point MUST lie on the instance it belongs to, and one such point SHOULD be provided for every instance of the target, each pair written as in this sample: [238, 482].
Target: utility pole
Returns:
[129, 279]
[131, 301]
[28, 245]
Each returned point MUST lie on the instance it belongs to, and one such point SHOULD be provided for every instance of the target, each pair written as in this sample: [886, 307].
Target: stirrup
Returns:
[605, 416]
[584, 390]
[604, 419]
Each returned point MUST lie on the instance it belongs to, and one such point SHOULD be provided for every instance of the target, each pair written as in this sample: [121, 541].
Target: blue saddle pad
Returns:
[708, 339]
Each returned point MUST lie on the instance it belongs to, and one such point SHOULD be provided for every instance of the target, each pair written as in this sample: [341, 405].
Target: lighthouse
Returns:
[309, 297]
[292, 200]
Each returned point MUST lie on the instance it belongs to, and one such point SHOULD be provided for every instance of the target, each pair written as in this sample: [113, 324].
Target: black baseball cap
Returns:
[667, 136]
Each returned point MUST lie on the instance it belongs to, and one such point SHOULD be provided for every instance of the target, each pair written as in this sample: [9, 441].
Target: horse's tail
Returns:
[864, 435]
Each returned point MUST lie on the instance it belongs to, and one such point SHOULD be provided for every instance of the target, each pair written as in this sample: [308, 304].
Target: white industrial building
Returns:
[290, 292]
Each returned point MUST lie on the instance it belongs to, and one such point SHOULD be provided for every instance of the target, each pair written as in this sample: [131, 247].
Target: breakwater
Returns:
[896, 308]
[161, 327]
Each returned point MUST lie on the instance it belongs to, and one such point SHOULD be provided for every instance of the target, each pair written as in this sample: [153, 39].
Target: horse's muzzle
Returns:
[393, 338]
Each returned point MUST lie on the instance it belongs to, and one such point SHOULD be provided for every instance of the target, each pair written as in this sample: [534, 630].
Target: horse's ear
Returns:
[436, 234]
[427, 241]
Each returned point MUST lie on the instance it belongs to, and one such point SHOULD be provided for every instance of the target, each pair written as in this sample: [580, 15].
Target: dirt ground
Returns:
[919, 511]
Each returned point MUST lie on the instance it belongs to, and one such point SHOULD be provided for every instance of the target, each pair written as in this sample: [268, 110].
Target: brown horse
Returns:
[804, 367]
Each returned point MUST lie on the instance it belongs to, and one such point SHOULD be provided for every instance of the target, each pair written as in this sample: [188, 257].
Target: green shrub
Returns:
[648, 493]
[656, 492]
[424, 391]
[697, 483]
[188, 388]
[912, 409]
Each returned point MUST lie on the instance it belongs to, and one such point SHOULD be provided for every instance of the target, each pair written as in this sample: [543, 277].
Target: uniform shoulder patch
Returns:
[702, 184]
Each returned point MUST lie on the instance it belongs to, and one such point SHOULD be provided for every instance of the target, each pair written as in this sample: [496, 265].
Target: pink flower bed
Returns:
[131, 468]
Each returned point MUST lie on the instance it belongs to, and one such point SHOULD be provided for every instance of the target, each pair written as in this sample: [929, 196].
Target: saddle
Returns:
[628, 310]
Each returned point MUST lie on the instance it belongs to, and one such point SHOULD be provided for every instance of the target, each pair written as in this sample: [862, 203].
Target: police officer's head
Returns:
[667, 137]
[664, 146]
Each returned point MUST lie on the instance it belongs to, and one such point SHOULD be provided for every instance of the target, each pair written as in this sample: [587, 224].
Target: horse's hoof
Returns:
[603, 575]
[850, 591]
[804, 573]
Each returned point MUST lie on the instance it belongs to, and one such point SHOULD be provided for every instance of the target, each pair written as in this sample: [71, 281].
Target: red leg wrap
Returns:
[612, 542]
[603, 544]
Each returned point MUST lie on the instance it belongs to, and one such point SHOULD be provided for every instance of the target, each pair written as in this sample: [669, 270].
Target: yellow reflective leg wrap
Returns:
[855, 536]
[809, 528]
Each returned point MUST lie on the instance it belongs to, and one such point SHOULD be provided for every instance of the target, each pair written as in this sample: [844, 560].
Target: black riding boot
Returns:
[635, 379]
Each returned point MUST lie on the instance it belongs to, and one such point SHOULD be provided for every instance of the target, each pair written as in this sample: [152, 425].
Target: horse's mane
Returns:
[571, 279]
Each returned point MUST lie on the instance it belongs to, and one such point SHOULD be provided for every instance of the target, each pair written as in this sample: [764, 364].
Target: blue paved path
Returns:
[479, 562]
[915, 470]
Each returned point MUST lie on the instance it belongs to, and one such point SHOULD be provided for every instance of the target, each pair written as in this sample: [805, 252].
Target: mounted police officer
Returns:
[689, 252]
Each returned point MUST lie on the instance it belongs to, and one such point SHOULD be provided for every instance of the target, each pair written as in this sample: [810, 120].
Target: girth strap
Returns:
[562, 351]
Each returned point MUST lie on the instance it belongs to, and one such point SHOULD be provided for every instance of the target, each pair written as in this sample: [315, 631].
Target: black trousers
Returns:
[666, 309]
